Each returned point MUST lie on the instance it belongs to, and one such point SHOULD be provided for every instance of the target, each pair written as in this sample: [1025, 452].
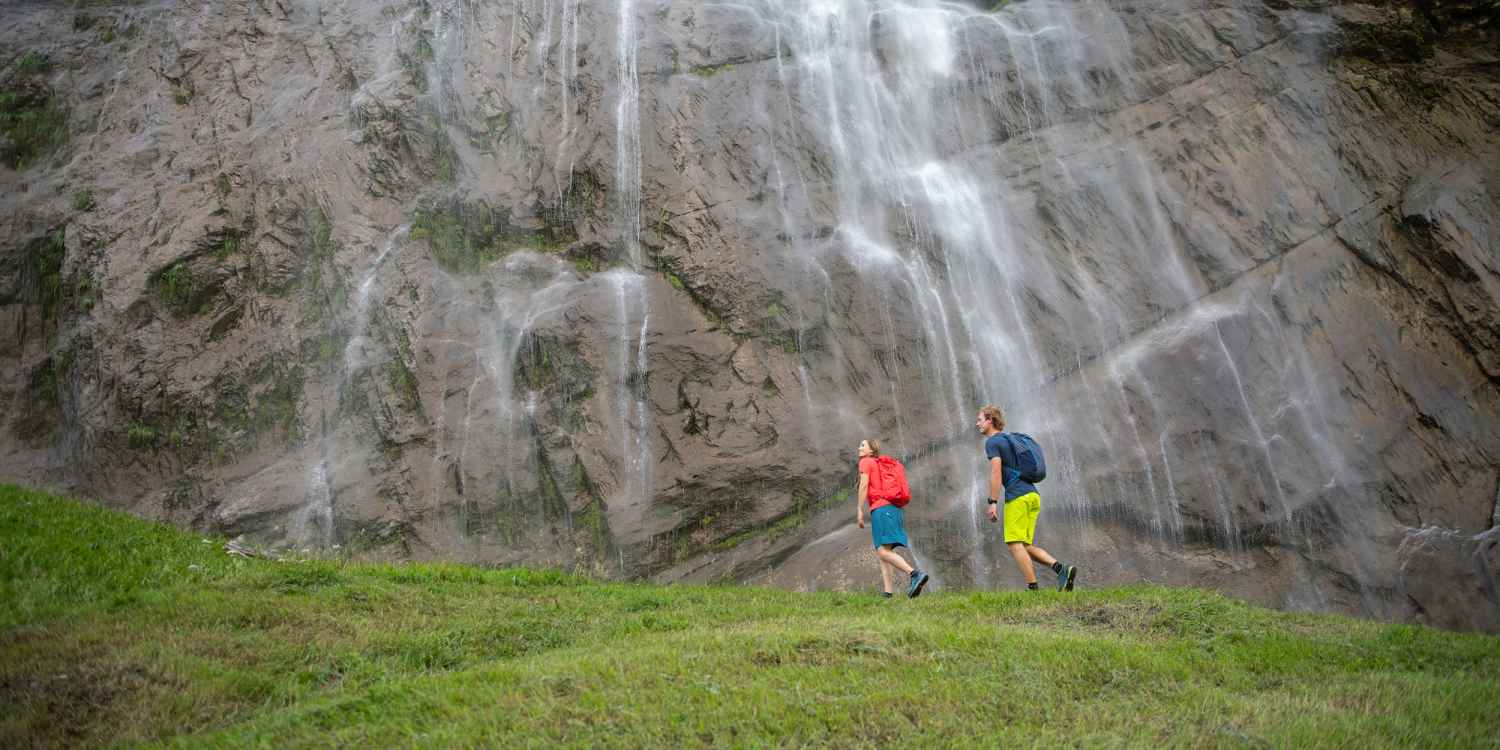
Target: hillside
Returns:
[114, 630]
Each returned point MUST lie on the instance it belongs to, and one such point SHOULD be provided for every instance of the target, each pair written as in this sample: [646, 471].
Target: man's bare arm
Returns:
[996, 466]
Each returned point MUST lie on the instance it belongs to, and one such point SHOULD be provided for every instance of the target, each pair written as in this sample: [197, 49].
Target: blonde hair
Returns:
[874, 446]
[996, 417]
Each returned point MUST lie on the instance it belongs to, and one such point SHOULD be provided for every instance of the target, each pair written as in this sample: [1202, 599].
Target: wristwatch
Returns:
[992, 501]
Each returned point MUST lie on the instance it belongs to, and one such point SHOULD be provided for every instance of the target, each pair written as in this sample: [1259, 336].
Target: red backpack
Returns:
[888, 482]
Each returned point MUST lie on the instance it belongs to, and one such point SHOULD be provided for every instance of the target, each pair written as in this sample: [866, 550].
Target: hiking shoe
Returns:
[918, 580]
[1065, 577]
[885, 595]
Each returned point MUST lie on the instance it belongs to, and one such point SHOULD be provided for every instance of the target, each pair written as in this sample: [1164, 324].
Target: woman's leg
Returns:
[885, 571]
[888, 555]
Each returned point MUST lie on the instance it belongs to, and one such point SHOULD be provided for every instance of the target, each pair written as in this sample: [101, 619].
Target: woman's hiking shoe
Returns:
[918, 580]
[1065, 577]
[885, 595]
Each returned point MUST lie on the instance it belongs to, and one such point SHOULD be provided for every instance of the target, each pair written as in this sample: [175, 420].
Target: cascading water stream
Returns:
[632, 414]
[960, 227]
[912, 94]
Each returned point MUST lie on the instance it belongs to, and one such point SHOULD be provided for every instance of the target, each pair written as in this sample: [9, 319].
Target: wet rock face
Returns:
[435, 280]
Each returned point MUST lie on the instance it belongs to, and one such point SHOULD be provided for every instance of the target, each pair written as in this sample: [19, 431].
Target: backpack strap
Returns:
[1011, 472]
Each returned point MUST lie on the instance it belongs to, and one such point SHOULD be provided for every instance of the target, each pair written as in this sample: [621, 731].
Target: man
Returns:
[1022, 503]
[886, 528]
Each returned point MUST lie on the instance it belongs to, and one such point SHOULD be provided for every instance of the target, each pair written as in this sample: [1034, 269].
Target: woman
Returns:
[886, 528]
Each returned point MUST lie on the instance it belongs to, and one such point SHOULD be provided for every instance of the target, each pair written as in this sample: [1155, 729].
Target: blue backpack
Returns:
[1030, 466]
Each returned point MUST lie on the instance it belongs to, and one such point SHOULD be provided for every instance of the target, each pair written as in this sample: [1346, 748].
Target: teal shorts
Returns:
[886, 527]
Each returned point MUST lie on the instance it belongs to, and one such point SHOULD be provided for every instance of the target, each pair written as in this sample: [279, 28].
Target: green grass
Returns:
[467, 237]
[117, 631]
[33, 122]
[33, 63]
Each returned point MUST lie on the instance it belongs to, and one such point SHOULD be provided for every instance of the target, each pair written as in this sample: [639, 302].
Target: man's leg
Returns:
[885, 571]
[1040, 555]
[1020, 530]
[1065, 573]
[1023, 561]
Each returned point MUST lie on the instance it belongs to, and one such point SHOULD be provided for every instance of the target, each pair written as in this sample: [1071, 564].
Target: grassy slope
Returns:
[113, 630]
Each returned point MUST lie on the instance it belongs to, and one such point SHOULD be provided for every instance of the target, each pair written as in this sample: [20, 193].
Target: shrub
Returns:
[32, 121]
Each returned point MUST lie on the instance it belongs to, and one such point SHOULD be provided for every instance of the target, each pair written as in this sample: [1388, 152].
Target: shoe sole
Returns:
[1068, 584]
[920, 585]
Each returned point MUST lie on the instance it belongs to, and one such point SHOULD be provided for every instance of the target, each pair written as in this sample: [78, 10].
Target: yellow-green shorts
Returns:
[1020, 518]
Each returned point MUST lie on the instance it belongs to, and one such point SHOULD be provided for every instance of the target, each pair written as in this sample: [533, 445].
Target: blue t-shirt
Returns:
[1015, 486]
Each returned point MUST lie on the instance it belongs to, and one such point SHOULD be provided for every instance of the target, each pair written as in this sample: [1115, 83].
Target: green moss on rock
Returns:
[33, 122]
[466, 237]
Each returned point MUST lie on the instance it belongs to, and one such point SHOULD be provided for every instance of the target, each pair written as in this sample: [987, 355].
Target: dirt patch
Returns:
[68, 708]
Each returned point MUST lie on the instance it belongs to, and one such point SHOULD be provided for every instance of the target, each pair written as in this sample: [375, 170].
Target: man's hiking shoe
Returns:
[885, 595]
[918, 580]
[1065, 577]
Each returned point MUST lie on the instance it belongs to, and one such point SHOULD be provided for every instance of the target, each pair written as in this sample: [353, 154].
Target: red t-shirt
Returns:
[867, 467]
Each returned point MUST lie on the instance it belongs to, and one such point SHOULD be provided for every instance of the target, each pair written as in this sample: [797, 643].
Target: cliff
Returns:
[619, 287]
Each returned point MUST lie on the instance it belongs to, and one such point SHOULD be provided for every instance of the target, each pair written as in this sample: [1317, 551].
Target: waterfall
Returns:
[632, 415]
[972, 188]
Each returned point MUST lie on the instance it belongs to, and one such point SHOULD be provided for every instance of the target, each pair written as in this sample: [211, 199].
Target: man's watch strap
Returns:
[992, 501]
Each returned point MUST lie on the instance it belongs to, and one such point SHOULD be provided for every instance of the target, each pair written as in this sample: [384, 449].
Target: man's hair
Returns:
[996, 417]
[874, 446]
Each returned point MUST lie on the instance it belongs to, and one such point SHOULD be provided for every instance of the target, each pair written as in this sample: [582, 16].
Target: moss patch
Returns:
[671, 269]
[466, 237]
[709, 71]
[802, 510]
[175, 285]
[42, 280]
[33, 121]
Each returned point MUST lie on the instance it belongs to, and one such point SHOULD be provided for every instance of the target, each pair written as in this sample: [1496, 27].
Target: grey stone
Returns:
[366, 275]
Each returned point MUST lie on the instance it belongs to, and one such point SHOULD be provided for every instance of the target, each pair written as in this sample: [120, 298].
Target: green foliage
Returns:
[467, 237]
[323, 246]
[228, 245]
[32, 121]
[33, 63]
[141, 435]
[670, 270]
[404, 383]
[416, 70]
[444, 155]
[400, 378]
[120, 631]
[182, 92]
[83, 200]
[175, 286]
[221, 185]
[87, 295]
[275, 408]
[320, 249]
[46, 255]
[801, 511]
[709, 71]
